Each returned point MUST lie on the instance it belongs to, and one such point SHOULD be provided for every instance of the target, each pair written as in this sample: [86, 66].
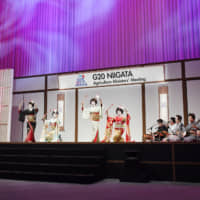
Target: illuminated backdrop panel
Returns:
[53, 36]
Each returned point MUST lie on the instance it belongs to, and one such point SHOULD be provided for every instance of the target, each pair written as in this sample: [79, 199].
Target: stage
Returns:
[88, 163]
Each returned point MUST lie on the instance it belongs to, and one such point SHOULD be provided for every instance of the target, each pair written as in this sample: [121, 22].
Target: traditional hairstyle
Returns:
[192, 115]
[160, 121]
[31, 103]
[179, 117]
[93, 100]
[173, 119]
[119, 109]
[55, 111]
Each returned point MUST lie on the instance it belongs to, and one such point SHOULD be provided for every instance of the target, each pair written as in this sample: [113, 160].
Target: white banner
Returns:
[112, 77]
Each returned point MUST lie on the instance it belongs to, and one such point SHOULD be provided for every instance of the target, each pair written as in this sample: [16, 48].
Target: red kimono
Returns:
[108, 131]
[31, 122]
[121, 123]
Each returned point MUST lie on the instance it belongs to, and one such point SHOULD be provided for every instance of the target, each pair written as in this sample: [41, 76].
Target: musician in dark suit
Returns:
[162, 129]
[192, 128]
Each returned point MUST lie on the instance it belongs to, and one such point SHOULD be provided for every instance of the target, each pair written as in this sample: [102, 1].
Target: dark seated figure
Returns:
[162, 131]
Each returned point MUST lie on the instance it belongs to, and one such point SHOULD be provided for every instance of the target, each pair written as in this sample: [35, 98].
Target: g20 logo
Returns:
[98, 76]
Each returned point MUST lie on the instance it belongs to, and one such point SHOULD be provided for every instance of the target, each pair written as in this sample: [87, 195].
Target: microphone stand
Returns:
[151, 128]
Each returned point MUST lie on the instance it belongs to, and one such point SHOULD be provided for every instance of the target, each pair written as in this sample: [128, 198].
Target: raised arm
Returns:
[20, 106]
[82, 103]
[35, 108]
[44, 117]
[106, 112]
[127, 114]
[128, 134]
[100, 101]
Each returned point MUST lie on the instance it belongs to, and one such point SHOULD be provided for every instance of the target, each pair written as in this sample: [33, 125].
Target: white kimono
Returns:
[50, 132]
[94, 113]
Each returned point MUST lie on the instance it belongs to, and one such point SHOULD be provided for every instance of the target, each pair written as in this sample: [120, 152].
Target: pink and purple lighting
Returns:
[55, 36]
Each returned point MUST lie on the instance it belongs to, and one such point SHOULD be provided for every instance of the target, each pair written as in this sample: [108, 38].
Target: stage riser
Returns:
[47, 163]
[52, 159]
[43, 151]
[52, 178]
[188, 173]
[163, 162]
[155, 172]
[49, 168]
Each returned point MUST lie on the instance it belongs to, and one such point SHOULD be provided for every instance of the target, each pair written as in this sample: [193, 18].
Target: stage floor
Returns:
[107, 189]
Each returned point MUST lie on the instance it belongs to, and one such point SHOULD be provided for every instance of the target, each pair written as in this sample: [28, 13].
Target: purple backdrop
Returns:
[52, 36]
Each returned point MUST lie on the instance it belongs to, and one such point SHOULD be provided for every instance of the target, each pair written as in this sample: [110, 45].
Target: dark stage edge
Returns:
[88, 162]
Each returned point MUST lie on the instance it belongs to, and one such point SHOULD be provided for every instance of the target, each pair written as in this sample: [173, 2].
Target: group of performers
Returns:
[175, 131]
[114, 130]
[117, 127]
[50, 131]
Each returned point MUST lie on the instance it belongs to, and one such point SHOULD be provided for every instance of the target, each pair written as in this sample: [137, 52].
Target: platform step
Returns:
[48, 151]
[55, 177]
[46, 167]
[76, 159]
[51, 163]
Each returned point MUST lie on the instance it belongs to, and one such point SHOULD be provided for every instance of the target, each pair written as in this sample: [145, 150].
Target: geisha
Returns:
[30, 116]
[51, 129]
[109, 127]
[94, 114]
[121, 124]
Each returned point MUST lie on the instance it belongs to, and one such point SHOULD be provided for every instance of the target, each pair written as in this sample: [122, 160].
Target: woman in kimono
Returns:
[29, 115]
[121, 124]
[109, 127]
[50, 132]
[94, 114]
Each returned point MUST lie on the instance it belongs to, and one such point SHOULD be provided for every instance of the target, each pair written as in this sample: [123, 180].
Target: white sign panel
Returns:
[112, 77]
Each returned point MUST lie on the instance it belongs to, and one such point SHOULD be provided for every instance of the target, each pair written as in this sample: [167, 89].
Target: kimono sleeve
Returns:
[86, 113]
[21, 116]
[101, 111]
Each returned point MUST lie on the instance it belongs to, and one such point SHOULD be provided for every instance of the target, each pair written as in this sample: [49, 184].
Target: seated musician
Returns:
[192, 128]
[180, 129]
[172, 131]
[162, 131]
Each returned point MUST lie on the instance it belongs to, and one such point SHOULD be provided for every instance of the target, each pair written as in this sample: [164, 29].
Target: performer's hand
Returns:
[44, 117]
[82, 105]
[35, 106]
[100, 100]
[184, 134]
[110, 106]
[192, 132]
[106, 112]
[85, 97]
[20, 105]
[198, 133]
[194, 126]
